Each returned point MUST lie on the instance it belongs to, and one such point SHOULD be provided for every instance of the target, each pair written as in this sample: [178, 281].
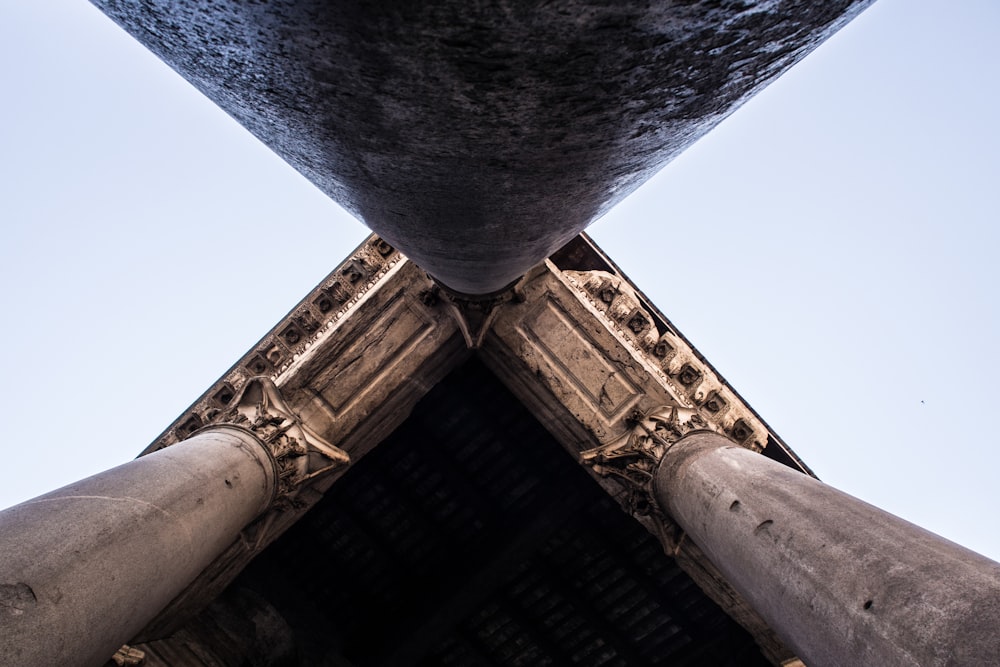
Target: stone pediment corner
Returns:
[581, 347]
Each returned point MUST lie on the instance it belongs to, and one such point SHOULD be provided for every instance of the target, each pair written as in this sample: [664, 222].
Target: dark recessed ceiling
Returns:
[469, 537]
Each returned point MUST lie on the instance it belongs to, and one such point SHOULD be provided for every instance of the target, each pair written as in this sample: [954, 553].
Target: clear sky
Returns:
[831, 248]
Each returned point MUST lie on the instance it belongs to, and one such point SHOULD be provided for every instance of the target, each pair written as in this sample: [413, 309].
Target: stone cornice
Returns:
[691, 382]
[695, 382]
[329, 304]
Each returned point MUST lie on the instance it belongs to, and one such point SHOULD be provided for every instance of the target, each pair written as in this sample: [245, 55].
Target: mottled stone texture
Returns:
[83, 568]
[842, 582]
[478, 137]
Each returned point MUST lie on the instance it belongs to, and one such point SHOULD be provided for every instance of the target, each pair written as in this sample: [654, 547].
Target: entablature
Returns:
[587, 349]
[352, 357]
[574, 341]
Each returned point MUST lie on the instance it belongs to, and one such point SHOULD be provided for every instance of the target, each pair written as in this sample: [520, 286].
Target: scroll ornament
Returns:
[299, 453]
[633, 457]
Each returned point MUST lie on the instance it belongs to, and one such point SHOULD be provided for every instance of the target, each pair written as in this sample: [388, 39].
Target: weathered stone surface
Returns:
[351, 359]
[587, 353]
[479, 137]
[842, 582]
[83, 568]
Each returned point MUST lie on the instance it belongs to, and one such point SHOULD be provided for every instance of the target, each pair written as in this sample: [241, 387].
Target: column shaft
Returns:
[84, 568]
[842, 582]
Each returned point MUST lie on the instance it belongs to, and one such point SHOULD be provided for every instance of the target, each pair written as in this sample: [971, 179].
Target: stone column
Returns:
[842, 582]
[84, 568]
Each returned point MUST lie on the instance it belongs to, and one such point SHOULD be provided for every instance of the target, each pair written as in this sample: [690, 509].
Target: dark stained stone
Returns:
[479, 137]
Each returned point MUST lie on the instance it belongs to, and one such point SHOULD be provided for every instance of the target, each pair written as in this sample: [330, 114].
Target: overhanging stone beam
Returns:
[350, 360]
[479, 137]
[586, 353]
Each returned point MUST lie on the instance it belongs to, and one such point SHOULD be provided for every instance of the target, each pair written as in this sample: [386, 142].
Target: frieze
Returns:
[365, 357]
[600, 386]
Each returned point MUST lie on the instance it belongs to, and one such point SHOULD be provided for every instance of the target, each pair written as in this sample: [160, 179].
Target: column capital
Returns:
[633, 457]
[298, 453]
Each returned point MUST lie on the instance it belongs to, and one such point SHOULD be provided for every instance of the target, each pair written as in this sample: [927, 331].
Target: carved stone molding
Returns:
[128, 656]
[299, 454]
[474, 314]
[620, 302]
[691, 381]
[633, 457]
[326, 307]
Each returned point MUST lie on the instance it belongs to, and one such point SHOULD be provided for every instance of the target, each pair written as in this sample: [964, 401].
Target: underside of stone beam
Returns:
[479, 137]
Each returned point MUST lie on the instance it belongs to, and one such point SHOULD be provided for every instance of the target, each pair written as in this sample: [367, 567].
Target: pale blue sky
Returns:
[830, 248]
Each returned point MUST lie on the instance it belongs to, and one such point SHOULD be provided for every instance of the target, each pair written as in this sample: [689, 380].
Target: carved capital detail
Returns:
[299, 454]
[128, 656]
[632, 459]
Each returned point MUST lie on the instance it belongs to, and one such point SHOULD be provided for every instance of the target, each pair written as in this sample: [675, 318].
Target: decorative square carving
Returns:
[225, 395]
[714, 403]
[258, 365]
[639, 323]
[688, 375]
[663, 350]
[189, 426]
[741, 431]
[292, 335]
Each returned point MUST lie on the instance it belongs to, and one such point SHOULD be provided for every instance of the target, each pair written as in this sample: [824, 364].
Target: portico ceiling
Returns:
[479, 137]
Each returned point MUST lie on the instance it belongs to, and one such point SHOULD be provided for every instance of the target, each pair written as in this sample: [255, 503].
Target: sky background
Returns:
[831, 248]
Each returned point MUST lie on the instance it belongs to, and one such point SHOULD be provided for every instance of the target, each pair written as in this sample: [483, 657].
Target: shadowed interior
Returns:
[468, 537]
